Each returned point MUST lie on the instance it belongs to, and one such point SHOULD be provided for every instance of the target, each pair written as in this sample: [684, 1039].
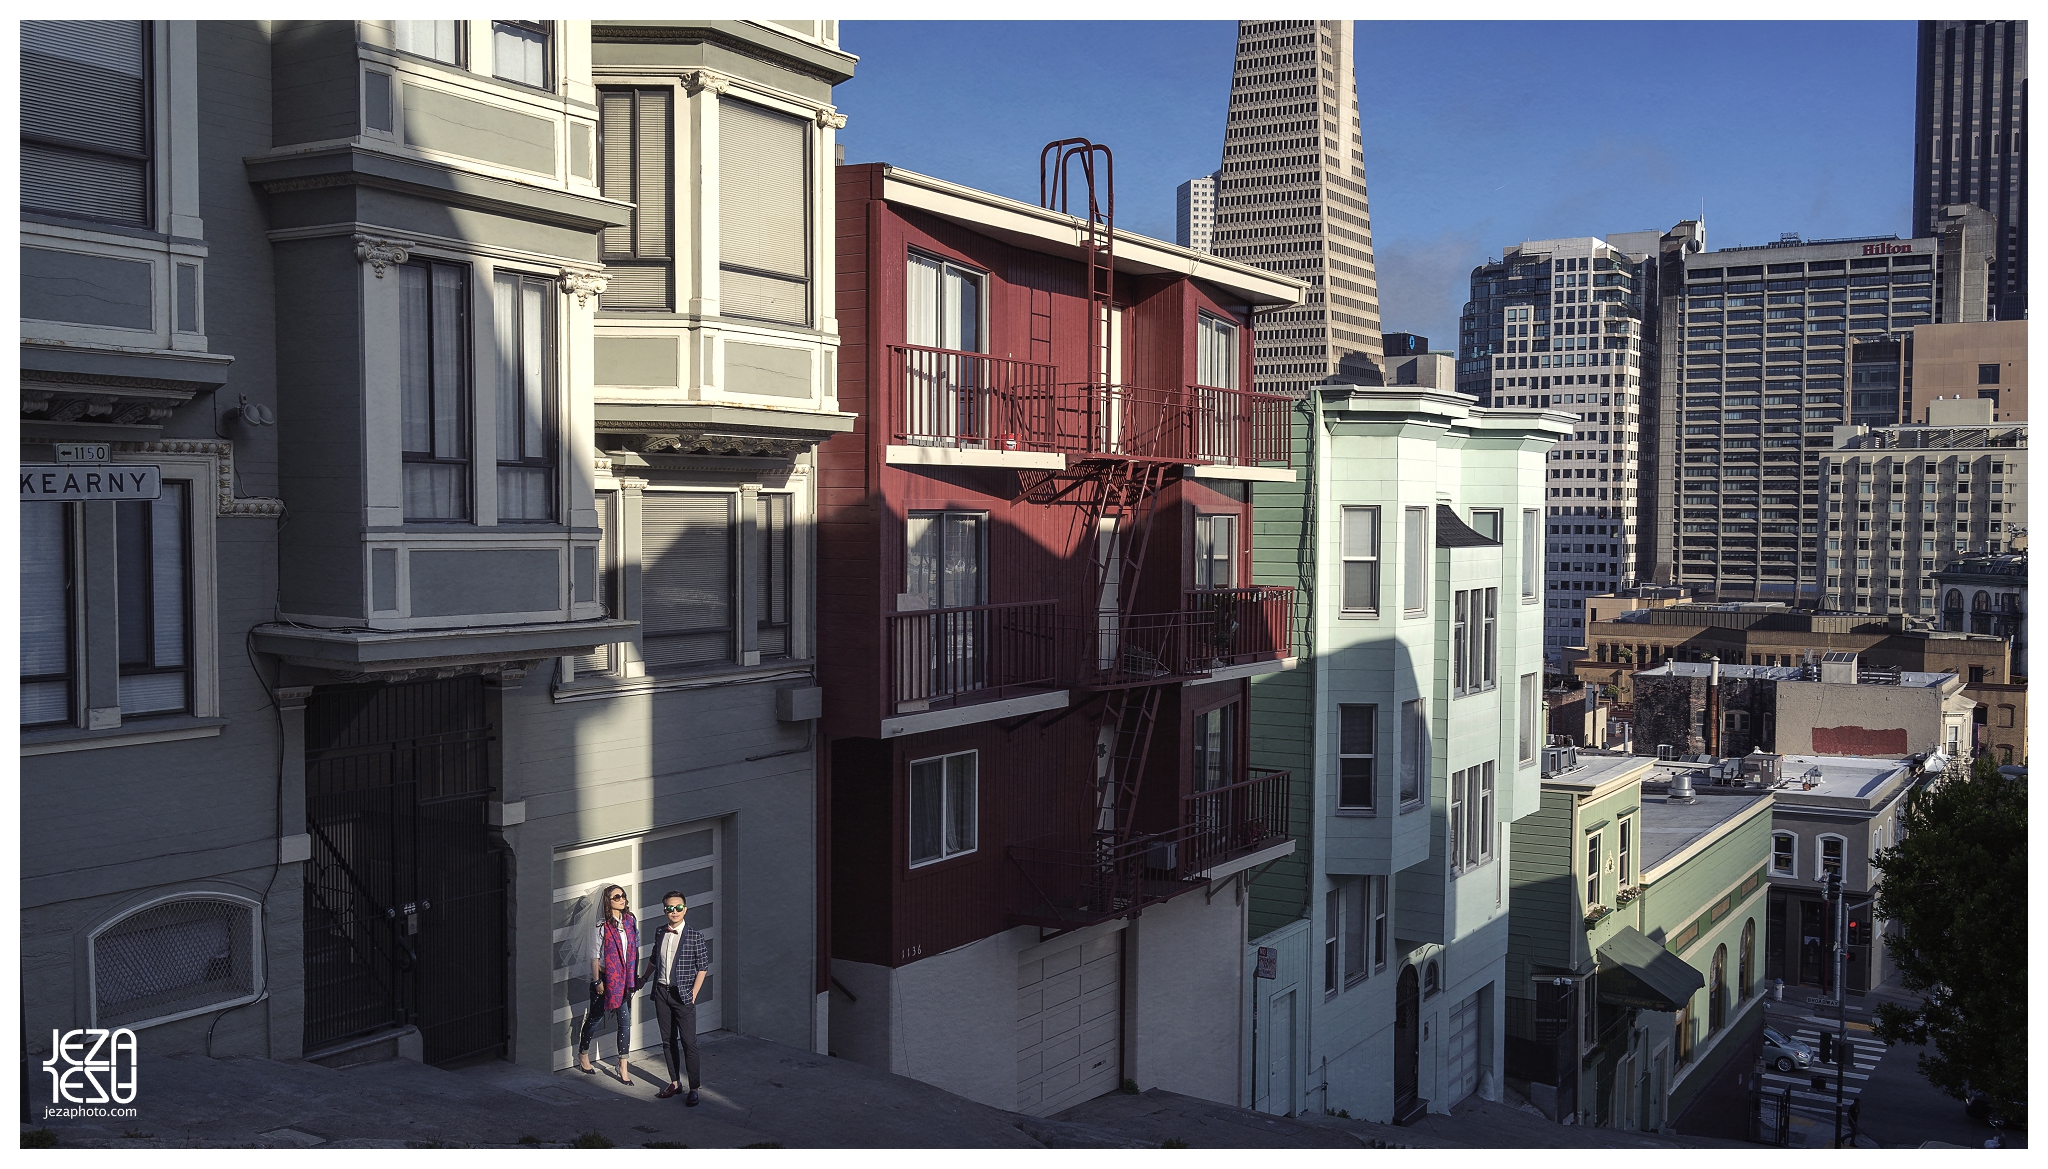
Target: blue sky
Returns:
[1477, 134]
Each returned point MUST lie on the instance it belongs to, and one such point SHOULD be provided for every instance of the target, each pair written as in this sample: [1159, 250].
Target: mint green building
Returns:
[1635, 977]
[1413, 530]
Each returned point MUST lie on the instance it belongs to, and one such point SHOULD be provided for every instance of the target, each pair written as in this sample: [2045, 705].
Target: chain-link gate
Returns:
[406, 890]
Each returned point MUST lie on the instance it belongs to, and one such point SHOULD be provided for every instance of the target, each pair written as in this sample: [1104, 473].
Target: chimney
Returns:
[1714, 706]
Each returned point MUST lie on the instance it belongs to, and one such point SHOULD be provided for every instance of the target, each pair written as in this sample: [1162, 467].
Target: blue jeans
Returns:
[597, 1012]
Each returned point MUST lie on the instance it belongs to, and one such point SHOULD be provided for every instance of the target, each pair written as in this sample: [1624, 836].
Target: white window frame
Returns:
[1820, 856]
[1333, 949]
[1347, 555]
[1206, 548]
[257, 965]
[1371, 716]
[1530, 702]
[1208, 325]
[1415, 574]
[1791, 871]
[107, 727]
[1454, 823]
[1380, 894]
[1415, 756]
[910, 814]
[1593, 854]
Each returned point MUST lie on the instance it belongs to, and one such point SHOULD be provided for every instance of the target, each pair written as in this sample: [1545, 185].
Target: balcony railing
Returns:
[1240, 428]
[1070, 885]
[946, 397]
[954, 398]
[1215, 629]
[969, 654]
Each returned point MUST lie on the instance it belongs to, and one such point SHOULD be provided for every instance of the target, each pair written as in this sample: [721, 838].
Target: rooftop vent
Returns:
[1838, 666]
[1681, 788]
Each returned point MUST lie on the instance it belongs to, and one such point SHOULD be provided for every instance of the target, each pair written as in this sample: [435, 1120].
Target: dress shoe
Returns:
[665, 1093]
[691, 1099]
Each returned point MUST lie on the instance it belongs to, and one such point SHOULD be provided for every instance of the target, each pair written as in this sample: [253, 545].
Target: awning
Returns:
[1635, 971]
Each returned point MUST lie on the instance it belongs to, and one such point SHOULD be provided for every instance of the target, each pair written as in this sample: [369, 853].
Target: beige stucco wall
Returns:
[1946, 357]
[1863, 719]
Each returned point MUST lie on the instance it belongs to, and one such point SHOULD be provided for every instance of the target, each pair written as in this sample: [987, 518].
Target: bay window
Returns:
[634, 151]
[433, 385]
[763, 216]
[1359, 551]
[86, 120]
[526, 396]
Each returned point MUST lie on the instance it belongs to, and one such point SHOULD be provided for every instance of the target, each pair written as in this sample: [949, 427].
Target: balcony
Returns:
[1216, 634]
[962, 408]
[965, 656]
[1065, 885]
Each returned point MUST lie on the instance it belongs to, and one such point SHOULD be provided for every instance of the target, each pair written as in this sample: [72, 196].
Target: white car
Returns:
[1785, 1053]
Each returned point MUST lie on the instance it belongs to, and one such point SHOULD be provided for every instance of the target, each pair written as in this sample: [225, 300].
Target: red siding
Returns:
[1035, 778]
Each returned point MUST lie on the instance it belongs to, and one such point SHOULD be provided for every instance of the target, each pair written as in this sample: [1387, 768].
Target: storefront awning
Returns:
[1636, 971]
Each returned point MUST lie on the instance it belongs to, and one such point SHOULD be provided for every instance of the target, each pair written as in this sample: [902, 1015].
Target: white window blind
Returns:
[46, 675]
[634, 151]
[526, 447]
[428, 38]
[686, 578]
[85, 119]
[762, 218]
[519, 51]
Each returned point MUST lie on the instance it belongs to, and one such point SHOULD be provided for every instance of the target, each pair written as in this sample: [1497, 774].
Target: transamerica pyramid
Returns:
[1292, 200]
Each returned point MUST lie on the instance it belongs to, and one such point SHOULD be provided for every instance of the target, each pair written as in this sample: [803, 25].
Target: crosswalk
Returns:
[1864, 1053]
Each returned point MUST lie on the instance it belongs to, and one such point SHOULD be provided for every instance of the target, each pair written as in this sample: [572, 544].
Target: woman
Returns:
[615, 953]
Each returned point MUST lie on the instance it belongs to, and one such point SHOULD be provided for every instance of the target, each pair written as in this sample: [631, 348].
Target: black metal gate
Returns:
[1770, 1116]
[406, 889]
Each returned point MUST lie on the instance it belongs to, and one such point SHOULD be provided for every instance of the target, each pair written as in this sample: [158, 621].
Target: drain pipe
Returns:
[1713, 735]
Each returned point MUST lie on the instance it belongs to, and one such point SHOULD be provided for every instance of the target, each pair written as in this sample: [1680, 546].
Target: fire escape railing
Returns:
[969, 653]
[1213, 630]
[1068, 887]
[1240, 428]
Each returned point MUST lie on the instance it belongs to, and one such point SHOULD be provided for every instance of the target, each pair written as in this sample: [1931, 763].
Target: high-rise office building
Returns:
[1970, 146]
[1194, 212]
[1291, 199]
[1766, 350]
[1570, 324]
[1403, 345]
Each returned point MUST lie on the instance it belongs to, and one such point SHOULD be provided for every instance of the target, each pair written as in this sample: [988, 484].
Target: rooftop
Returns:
[1919, 678]
[1595, 768]
[1841, 776]
[1670, 827]
[2008, 564]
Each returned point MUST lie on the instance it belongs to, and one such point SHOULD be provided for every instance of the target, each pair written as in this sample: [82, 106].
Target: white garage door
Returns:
[1070, 1025]
[684, 859]
[1461, 1053]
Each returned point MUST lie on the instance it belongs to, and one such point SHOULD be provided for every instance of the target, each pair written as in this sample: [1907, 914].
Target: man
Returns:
[680, 963]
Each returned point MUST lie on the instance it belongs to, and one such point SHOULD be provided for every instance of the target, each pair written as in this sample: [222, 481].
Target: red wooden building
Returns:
[1036, 624]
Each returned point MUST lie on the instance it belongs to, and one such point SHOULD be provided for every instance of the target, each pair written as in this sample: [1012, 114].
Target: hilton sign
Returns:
[1887, 249]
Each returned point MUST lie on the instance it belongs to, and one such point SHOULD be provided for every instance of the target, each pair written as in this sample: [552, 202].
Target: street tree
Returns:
[1955, 885]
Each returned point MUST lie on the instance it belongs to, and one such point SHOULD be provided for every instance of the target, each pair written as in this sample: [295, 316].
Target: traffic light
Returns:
[1827, 1048]
[1858, 932]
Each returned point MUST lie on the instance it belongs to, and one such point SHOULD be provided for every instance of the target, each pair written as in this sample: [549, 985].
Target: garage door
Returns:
[1070, 1025]
[683, 859]
[1461, 1053]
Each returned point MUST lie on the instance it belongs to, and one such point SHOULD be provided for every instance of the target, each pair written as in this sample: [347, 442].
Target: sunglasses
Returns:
[618, 897]
[674, 908]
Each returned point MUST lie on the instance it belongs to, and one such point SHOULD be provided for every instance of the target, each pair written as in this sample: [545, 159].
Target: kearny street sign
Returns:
[59, 483]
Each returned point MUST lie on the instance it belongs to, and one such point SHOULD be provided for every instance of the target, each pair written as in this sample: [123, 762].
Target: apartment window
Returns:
[686, 578]
[519, 51]
[763, 214]
[1486, 815]
[1360, 551]
[1354, 929]
[1531, 708]
[1487, 523]
[438, 40]
[1987, 374]
[1357, 729]
[526, 398]
[1489, 640]
[86, 119]
[1621, 855]
[1830, 855]
[1462, 673]
[152, 566]
[1414, 751]
[1379, 922]
[1216, 352]
[48, 623]
[773, 588]
[946, 556]
[944, 309]
[1332, 955]
[1415, 574]
[1215, 552]
[942, 807]
[1454, 825]
[1216, 748]
[433, 385]
[1592, 870]
[634, 149]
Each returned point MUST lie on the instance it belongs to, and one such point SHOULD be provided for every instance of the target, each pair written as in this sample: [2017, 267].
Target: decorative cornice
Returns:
[378, 252]
[831, 119]
[583, 283]
[223, 454]
[692, 441]
[698, 80]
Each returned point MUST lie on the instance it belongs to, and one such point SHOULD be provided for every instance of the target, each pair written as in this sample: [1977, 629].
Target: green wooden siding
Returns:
[1283, 704]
